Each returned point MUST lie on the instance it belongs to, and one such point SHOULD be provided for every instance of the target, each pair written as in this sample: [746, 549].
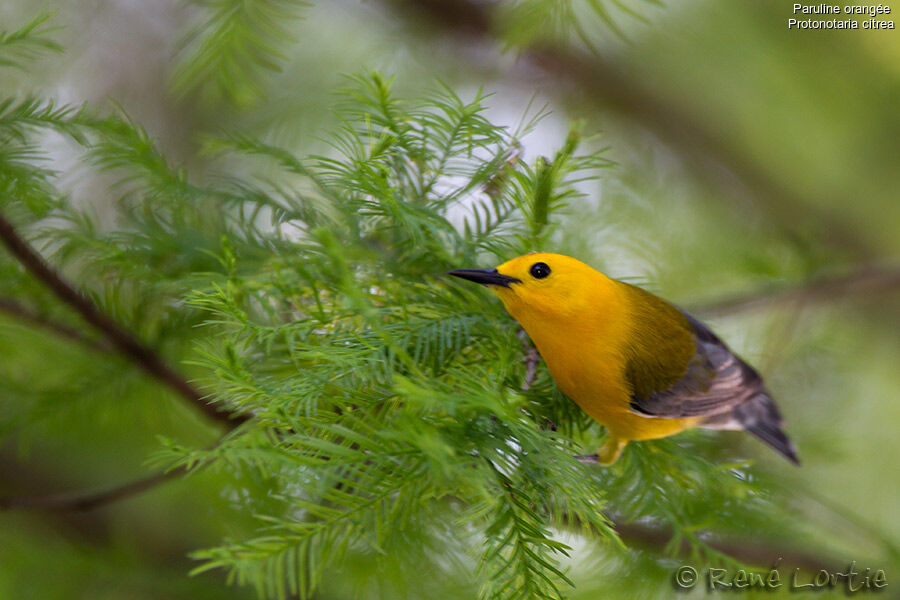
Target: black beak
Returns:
[484, 276]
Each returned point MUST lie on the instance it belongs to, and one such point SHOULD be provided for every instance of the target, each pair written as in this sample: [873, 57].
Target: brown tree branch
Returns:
[707, 149]
[139, 354]
[80, 501]
[32, 317]
[84, 501]
[531, 358]
[752, 552]
[864, 281]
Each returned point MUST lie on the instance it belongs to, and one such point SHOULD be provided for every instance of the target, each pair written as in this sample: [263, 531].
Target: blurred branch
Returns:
[121, 340]
[84, 501]
[30, 316]
[748, 551]
[76, 501]
[531, 358]
[622, 90]
[657, 539]
[864, 281]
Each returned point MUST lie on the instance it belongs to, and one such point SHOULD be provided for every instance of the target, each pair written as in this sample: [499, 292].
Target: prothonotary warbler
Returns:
[640, 366]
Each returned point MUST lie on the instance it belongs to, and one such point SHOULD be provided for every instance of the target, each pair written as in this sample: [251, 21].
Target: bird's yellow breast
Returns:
[590, 370]
[582, 339]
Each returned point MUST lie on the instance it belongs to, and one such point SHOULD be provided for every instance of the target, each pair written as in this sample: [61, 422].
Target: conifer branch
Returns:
[618, 89]
[657, 539]
[18, 47]
[138, 353]
[375, 397]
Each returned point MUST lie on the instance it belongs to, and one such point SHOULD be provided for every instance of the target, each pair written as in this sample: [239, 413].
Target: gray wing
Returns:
[724, 390]
[716, 381]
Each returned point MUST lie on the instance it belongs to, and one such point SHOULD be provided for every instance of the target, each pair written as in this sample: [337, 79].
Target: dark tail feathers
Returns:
[759, 416]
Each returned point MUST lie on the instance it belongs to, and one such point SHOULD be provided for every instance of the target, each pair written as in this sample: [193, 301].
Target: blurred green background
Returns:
[757, 182]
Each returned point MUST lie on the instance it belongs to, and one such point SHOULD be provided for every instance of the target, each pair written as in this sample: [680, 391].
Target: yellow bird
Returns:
[640, 366]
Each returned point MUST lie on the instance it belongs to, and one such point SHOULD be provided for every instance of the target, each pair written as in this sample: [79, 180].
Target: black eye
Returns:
[540, 270]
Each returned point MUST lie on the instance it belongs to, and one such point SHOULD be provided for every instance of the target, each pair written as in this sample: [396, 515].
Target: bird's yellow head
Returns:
[544, 287]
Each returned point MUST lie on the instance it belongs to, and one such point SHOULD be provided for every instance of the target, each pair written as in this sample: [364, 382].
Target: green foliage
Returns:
[363, 372]
[19, 47]
[369, 374]
[231, 43]
[529, 21]
[379, 391]
[391, 425]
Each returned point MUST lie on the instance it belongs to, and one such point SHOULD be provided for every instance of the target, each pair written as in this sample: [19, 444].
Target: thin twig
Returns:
[748, 551]
[83, 501]
[80, 501]
[752, 552]
[864, 281]
[124, 342]
[531, 359]
[32, 317]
